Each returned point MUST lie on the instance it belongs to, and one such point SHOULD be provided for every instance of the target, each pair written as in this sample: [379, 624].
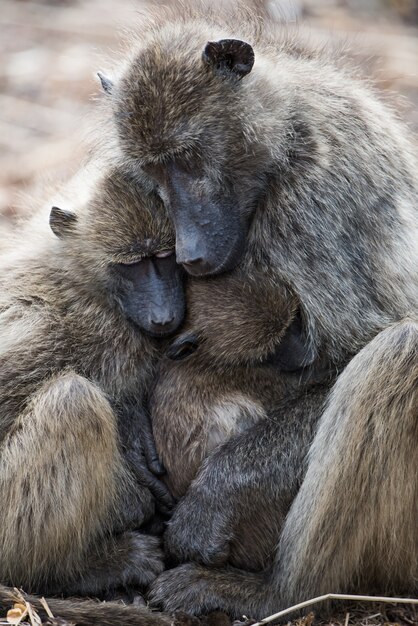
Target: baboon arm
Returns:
[61, 477]
[26, 358]
[353, 523]
[234, 509]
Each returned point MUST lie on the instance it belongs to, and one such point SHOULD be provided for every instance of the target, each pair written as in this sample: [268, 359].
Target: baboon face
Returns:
[179, 117]
[124, 243]
[150, 292]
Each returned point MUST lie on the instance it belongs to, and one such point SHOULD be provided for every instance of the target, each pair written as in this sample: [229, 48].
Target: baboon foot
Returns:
[197, 589]
[128, 562]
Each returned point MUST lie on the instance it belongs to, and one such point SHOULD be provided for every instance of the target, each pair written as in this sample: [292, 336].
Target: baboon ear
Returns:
[294, 351]
[107, 84]
[62, 223]
[229, 57]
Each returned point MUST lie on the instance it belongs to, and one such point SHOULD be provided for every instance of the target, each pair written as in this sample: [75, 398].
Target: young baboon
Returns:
[77, 462]
[282, 161]
[240, 371]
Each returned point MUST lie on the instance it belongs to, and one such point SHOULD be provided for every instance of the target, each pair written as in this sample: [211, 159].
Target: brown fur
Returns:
[352, 526]
[231, 398]
[205, 399]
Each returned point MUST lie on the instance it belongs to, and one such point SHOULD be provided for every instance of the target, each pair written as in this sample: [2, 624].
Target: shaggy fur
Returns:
[352, 526]
[73, 376]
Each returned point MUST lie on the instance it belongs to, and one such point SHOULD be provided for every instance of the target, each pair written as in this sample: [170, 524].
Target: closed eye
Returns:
[163, 254]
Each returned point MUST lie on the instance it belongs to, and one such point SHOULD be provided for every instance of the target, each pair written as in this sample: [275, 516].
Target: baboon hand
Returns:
[200, 529]
[141, 454]
[137, 460]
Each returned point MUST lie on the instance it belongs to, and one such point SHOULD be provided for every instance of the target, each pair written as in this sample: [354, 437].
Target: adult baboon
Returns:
[77, 461]
[292, 166]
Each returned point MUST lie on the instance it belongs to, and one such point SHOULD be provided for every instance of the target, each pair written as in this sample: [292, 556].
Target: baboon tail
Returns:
[88, 612]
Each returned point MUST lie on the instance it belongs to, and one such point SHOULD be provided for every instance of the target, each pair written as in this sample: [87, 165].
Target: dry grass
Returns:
[353, 613]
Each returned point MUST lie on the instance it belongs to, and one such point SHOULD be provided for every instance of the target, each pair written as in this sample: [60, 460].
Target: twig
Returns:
[33, 616]
[46, 607]
[335, 596]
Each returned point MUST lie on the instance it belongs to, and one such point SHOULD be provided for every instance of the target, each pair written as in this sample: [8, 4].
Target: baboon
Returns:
[240, 371]
[281, 160]
[78, 470]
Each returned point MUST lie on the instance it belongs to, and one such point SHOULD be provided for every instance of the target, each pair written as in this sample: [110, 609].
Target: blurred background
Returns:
[51, 49]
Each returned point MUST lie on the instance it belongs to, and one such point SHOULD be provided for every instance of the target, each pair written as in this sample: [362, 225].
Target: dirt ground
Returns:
[50, 51]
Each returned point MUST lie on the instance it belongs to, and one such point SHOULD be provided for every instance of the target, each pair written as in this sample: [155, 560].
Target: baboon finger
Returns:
[164, 500]
[145, 477]
[151, 455]
[147, 443]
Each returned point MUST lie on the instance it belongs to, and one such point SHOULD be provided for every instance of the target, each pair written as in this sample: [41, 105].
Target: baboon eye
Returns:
[128, 270]
[129, 263]
[163, 254]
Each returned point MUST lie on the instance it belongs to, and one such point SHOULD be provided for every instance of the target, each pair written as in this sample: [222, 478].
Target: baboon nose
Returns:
[195, 266]
[162, 321]
[190, 261]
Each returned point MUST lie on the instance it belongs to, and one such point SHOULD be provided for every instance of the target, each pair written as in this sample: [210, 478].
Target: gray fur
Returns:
[304, 159]
[73, 375]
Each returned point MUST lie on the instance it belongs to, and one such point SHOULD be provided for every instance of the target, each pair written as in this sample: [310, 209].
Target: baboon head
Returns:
[181, 121]
[123, 248]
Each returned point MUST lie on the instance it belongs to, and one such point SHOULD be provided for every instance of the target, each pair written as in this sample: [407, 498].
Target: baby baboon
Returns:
[77, 461]
[227, 390]
[280, 160]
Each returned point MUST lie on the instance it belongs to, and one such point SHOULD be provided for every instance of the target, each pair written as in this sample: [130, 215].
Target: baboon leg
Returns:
[233, 514]
[234, 510]
[60, 477]
[353, 525]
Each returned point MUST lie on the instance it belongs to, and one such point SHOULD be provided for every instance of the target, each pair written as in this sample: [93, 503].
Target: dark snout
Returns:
[210, 231]
[210, 249]
[154, 300]
[165, 317]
